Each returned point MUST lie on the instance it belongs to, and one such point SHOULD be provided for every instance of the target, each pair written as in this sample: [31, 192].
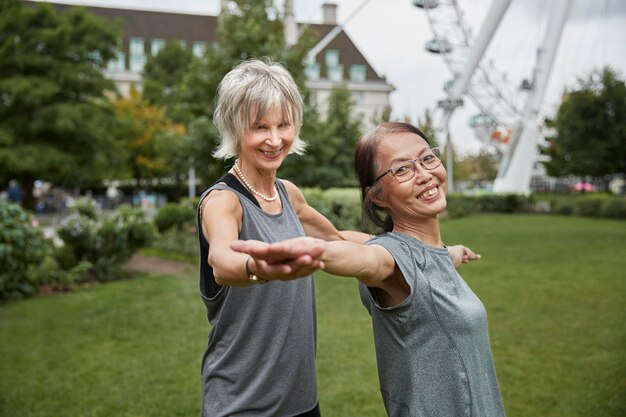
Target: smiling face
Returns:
[268, 141]
[421, 197]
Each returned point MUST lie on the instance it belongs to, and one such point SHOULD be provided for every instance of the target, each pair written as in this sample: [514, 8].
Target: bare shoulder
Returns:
[220, 202]
[295, 194]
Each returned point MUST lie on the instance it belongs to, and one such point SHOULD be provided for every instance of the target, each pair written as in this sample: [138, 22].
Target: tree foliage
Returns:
[163, 75]
[590, 127]
[55, 121]
[152, 141]
[329, 159]
[427, 126]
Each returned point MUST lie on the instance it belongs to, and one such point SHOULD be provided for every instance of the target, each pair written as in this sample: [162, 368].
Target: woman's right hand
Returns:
[284, 260]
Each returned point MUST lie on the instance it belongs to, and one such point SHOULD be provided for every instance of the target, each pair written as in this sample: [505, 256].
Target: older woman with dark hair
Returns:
[430, 330]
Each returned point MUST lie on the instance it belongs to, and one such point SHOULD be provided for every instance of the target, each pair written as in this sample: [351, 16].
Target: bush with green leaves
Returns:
[614, 208]
[345, 204]
[175, 216]
[86, 207]
[23, 249]
[105, 243]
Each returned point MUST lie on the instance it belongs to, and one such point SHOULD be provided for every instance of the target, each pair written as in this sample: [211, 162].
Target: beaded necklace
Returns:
[251, 188]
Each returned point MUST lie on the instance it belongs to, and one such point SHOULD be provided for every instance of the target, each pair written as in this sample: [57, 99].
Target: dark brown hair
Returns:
[367, 169]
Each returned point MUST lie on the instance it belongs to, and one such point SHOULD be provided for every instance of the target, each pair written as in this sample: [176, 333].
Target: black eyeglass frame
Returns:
[435, 151]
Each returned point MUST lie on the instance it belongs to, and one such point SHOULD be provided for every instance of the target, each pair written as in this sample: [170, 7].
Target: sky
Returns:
[391, 34]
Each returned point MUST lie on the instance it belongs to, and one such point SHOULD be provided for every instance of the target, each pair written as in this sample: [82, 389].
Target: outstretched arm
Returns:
[462, 255]
[372, 265]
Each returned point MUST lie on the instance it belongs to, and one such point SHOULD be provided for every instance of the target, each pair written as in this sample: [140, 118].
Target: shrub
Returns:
[566, 208]
[175, 215]
[85, 206]
[102, 245]
[500, 203]
[458, 207]
[23, 248]
[614, 208]
[316, 198]
[345, 204]
[589, 206]
[178, 245]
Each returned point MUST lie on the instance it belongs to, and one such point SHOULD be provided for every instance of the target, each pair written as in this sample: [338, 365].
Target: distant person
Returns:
[430, 330]
[15, 193]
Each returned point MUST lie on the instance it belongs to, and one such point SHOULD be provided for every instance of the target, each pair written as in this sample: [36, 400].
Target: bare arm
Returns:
[462, 255]
[221, 225]
[371, 265]
[316, 225]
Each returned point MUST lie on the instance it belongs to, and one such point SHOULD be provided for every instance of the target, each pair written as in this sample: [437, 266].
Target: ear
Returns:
[376, 198]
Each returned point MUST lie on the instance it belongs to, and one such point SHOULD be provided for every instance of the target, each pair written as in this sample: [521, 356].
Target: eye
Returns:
[428, 157]
[402, 169]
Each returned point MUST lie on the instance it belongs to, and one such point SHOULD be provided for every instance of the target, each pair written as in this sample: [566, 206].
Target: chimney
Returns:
[330, 13]
[289, 24]
[223, 6]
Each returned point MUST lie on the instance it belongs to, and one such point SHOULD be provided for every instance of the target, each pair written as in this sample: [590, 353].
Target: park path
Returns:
[157, 266]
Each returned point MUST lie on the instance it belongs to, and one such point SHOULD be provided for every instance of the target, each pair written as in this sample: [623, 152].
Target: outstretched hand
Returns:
[284, 260]
[462, 255]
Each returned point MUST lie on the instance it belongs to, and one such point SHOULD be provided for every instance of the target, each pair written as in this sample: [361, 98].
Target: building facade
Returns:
[336, 60]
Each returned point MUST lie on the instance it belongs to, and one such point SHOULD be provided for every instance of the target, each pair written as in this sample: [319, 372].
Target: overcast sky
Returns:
[391, 35]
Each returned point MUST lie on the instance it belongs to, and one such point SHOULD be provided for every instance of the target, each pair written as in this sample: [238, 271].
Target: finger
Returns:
[251, 247]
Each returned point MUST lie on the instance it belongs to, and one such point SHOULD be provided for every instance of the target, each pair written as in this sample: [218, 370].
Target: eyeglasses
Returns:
[405, 170]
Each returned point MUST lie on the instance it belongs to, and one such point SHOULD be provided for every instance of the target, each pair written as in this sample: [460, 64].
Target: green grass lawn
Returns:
[554, 288]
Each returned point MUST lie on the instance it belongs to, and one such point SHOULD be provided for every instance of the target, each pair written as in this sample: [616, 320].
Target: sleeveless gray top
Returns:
[260, 359]
[432, 350]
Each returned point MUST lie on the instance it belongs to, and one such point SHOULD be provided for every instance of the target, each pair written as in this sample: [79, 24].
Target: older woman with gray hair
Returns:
[260, 359]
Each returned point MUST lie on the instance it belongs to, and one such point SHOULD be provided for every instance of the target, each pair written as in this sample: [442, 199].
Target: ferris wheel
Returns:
[508, 113]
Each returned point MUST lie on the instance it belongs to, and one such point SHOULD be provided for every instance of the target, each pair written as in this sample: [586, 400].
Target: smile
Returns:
[271, 154]
[428, 193]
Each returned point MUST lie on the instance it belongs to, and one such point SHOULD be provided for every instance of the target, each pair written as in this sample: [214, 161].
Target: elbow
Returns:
[218, 271]
[218, 279]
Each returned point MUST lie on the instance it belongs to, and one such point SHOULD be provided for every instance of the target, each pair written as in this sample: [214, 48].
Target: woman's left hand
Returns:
[462, 255]
[283, 260]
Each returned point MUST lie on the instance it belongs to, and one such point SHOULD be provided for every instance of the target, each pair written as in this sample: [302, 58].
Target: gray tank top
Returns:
[432, 350]
[260, 359]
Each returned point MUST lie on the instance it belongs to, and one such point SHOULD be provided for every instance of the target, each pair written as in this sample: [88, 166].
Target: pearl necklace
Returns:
[251, 188]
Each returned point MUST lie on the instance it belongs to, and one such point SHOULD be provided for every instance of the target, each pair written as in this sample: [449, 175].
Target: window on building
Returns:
[136, 46]
[198, 48]
[156, 46]
[335, 73]
[137, 54]
[118, 63]
[332, 57]
[137, 63]
[312, 71]
[357, 73]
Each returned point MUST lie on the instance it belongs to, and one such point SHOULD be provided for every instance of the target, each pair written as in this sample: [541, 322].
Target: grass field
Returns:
[554, 288]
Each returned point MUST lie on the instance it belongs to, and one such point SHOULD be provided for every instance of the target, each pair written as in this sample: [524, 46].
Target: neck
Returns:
[261, 184]
[427, 231]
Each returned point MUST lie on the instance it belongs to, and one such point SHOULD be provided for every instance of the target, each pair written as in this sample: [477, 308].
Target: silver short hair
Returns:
[251, 89]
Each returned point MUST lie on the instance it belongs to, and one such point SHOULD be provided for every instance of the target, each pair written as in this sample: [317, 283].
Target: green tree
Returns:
[163, 75]
[329, 160]
[152, 141]
[477, 168]
[427, 127]
[55, 121]
[590, 127]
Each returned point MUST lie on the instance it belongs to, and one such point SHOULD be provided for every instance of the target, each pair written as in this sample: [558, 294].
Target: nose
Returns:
[273, 137]
[422, 175]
